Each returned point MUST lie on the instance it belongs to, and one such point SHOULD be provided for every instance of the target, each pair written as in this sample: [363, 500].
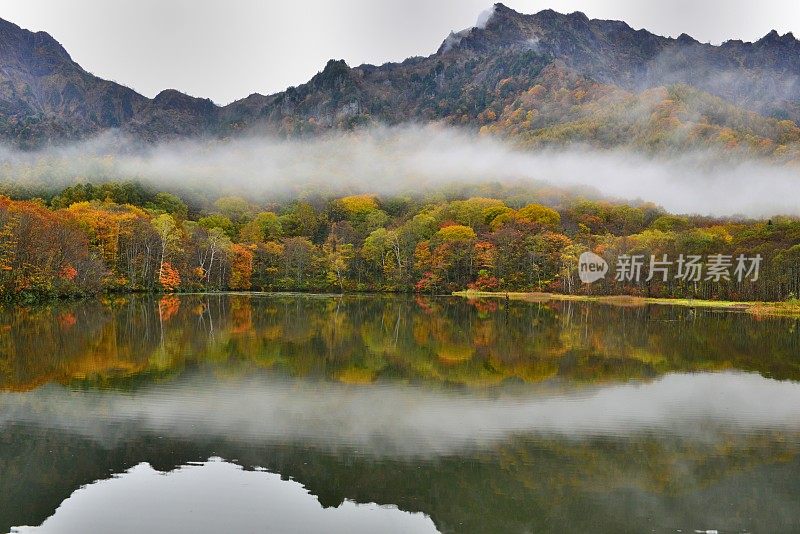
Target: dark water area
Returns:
[302, 413]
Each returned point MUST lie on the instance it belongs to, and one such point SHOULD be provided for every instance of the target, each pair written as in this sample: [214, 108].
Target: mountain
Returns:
[540, 79]
[46, 96]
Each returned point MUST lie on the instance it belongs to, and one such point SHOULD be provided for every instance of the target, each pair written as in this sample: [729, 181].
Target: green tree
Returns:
[169, 203]
[218, 221]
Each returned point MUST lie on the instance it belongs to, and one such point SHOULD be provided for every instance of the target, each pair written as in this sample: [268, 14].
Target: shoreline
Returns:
[758, 308]
[775, 309]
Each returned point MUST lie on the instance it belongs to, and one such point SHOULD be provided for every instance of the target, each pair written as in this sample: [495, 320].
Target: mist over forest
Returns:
[409, 160]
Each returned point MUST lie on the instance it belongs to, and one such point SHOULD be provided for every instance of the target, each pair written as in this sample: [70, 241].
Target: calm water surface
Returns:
[292, 413]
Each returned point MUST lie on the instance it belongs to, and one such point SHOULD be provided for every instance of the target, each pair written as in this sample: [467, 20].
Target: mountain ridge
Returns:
[477, 73]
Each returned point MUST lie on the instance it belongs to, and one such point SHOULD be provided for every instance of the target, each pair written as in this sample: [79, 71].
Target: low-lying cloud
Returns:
[412, 159]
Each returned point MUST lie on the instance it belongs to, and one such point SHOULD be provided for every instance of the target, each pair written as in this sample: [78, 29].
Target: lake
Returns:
[312, 413]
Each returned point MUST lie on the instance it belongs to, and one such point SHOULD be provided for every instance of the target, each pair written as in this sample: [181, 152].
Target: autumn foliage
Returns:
[241, 267]
[523, 240]
[169, 278]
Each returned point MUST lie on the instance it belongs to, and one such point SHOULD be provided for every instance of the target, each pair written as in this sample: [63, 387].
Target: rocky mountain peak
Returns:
[686, 39]
[172, 98]
[22, 48]
[773, 38]
[335, 74]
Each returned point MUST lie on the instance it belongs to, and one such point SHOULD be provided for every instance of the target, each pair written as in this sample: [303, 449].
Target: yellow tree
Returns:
[167, 230]
[241, 267]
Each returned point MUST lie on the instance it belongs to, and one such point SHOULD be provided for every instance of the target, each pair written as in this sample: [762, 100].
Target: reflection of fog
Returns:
[402, 420]
[215, 497]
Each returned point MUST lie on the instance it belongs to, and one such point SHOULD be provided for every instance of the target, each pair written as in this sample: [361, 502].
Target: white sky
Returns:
[228, 49]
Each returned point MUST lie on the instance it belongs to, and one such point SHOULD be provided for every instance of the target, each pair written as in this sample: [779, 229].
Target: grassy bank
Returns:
[784, 309]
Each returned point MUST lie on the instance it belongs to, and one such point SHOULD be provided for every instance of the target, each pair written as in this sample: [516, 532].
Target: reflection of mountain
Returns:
[364, 339]
[547, 485]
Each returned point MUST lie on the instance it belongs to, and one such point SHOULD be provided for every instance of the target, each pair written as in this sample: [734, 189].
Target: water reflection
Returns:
[213, 497]
[360, 340]
[475, 417]
[411, 421]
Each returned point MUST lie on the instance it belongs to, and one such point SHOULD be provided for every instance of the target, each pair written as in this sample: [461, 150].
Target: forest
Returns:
[124, 237]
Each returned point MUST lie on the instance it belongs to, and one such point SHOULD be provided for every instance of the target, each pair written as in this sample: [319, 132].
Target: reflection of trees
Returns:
[64, 342]
[362, 339]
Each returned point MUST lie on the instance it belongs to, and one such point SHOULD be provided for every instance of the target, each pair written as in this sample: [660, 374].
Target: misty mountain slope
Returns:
[539, 79]
[563, 106]
[519, 96]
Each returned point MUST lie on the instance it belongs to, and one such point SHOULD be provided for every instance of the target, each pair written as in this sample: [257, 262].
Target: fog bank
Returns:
[413, 159]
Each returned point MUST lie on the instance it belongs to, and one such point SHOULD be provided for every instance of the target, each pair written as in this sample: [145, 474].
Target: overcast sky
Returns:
[227, 49]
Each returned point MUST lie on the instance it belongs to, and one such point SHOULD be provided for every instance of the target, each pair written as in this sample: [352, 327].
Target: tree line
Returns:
[123, 238]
